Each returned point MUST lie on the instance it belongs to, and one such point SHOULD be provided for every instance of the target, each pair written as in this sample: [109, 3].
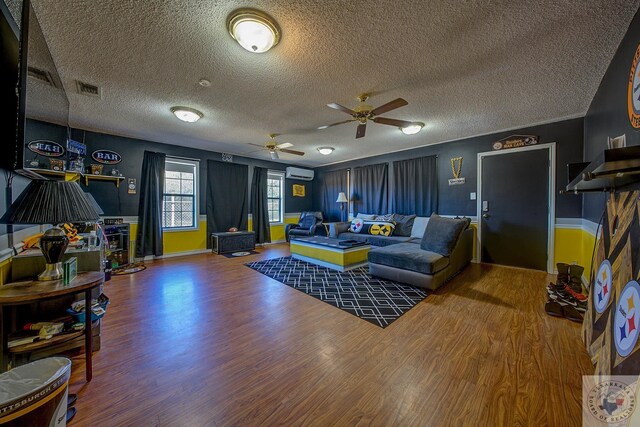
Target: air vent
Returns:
[88, 89]
[41, 75]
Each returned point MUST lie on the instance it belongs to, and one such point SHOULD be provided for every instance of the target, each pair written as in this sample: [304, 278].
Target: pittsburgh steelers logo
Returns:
[633, 97]
[380, 229]
[602, 287]
[356, 225]
[625, 326]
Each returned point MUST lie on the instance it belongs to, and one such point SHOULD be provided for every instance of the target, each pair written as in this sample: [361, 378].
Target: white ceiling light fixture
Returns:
[413, 129]
[186, 114]
[326, 150]
[254, 30]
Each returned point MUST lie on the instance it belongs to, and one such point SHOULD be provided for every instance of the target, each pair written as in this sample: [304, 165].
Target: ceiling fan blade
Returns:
[341, 108]
[284, 145]
[274, 155]
[392, 122]
[336, 124]
[362, 128]
[256, 145]
[297, 153]
[396, 103]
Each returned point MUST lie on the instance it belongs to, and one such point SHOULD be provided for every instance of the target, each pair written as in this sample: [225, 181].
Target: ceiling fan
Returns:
[365, 112]
[273, 147]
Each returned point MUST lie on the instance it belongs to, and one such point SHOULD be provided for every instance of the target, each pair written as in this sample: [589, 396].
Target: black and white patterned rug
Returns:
[375, 300]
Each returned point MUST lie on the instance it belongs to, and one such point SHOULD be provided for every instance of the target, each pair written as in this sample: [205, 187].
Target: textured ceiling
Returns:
[465, 67]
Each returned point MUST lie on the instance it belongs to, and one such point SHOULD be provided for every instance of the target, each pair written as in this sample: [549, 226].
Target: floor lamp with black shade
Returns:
[51, 202]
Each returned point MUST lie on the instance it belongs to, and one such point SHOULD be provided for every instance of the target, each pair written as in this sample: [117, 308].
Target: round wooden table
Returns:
[32, 291]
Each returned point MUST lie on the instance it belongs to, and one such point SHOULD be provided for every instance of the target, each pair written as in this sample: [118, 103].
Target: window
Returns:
[275, 196]
[180, 200]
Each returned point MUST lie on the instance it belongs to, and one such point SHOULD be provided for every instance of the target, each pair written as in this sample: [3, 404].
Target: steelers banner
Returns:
[610, 329]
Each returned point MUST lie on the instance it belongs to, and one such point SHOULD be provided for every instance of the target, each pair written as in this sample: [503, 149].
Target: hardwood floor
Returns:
[206, 341]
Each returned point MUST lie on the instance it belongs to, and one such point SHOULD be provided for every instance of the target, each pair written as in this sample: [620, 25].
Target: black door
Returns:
[515, 206]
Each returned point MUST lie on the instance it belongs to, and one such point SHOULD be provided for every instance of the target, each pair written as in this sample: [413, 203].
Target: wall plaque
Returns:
[106, 157]
[46, 148]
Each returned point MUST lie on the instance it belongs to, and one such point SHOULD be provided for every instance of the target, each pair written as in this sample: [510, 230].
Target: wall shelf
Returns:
[115, 179]
[76, 176]
[613, 170]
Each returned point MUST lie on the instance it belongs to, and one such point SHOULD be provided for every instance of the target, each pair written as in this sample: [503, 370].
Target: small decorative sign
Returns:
[131, 186]
[456, 168]
[515, 141]
[633, 100]
[106, 157]
[76, 147]
[46, 148]
[226, 157]
[298, 190]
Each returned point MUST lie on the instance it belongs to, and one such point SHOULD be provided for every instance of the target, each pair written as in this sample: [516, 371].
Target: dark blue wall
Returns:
[116, 201]
[455, 200]
[607, 115]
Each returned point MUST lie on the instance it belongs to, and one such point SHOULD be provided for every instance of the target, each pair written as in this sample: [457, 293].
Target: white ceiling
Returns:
[465, 67]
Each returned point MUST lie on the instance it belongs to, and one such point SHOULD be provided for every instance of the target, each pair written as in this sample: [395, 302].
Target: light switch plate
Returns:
[472, 196]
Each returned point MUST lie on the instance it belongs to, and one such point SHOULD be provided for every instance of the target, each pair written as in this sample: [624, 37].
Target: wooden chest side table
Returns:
[233, 241]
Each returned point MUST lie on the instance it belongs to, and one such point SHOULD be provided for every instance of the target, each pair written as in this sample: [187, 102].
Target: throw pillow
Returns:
[442, 234]
[365, 216]
[419, 226]
[378, 228]
[387, 217]
[356, 225]
[404, 224]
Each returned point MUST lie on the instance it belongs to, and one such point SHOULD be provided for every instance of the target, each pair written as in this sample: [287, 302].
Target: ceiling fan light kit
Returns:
[186, 114]
[253, 29]
[272, 147]
[326, 150]
[364, 113]
[412, 129]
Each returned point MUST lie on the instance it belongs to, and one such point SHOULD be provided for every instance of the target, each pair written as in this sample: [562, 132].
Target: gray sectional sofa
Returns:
[404, 259]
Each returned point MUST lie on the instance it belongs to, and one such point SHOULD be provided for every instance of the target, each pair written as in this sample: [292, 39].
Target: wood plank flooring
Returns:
[205, 341]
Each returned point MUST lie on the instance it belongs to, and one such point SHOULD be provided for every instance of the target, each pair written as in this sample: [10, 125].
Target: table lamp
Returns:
[342, 199]
[51, 202]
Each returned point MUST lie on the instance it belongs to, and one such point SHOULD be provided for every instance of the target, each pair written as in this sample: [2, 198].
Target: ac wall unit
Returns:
[302, 174]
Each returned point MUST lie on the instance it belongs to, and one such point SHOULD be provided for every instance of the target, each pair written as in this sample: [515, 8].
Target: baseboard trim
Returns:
[177, 254]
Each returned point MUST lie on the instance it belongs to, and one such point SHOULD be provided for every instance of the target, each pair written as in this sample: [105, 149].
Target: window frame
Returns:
[273, 174]
[196, 194]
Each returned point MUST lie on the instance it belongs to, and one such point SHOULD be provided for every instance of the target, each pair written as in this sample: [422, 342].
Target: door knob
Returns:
[485, 216]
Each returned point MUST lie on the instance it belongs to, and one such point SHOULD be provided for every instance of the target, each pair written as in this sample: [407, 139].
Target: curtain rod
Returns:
[183, 158]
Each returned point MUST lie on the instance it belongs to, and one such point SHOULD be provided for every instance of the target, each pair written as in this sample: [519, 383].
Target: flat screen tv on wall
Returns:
[31, 88]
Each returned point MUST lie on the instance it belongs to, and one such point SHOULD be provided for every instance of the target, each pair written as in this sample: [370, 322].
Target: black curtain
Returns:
[227, 188]
[415, 186]
[331, 184]
[149, 234]
[259, 212]
[370, 192]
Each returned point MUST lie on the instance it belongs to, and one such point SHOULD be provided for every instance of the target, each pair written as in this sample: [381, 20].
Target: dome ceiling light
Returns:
[254, 30]
[326, 150]
[187, 114]
[412, 129]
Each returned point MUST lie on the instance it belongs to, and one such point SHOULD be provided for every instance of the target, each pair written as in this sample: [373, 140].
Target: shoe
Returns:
[559, 309]
[71, 412]
[563, 272]
[580, 297]
[71, 399]
[575, 277]
[553, 308]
